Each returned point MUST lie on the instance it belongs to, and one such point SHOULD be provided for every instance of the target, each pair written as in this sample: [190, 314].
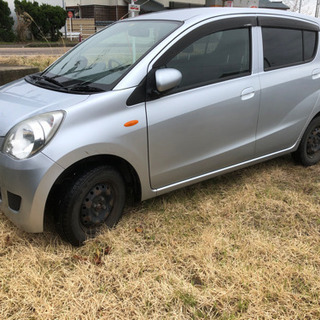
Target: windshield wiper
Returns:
[51, 80]
[98, 75]
[37, 78]
[84, 88]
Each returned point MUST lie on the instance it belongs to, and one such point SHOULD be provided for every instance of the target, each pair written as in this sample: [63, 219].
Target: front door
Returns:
[209, 121]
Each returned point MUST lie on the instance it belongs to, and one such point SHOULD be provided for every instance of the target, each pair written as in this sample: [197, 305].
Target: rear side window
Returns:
[310, 41]
[284, 47]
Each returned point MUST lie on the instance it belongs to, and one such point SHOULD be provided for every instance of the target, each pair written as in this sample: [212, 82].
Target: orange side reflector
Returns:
[131, 123]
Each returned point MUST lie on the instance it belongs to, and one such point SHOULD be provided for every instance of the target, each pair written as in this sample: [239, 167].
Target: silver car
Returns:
[152, 104]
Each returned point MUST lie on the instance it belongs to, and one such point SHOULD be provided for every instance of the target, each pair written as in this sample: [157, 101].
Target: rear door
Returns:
[290, 81]
[209, 121]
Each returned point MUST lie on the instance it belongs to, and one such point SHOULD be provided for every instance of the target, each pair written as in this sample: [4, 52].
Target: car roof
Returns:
[204, 13]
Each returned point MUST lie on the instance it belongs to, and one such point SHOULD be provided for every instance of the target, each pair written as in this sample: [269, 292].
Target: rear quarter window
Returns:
[310, 44]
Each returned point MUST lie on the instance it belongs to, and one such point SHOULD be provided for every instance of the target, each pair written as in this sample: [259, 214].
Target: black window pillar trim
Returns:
[288, 23]
[202, 31]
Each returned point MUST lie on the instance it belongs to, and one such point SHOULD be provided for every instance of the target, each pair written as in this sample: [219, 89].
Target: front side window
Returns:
[99, 62]
[215, 57]
[284, 47]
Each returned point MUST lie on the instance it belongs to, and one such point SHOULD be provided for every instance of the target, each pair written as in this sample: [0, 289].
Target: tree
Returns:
[302, 6]
[55, 19]
[6, 22]
[45, 20]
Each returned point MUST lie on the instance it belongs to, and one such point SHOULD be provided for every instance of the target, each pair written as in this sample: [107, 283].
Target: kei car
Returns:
[156, 103]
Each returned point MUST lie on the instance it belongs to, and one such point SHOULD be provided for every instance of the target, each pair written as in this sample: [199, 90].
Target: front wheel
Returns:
[308, 152]
[93, 199]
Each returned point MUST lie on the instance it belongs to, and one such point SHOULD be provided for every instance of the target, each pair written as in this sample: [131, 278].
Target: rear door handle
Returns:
[315, 74]
[247, 93]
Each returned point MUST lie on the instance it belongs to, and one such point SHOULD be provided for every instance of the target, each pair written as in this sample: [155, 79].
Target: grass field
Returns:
[241, 246]
[37, 61]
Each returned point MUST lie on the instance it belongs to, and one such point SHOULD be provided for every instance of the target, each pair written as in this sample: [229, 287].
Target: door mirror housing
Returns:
[167, 79]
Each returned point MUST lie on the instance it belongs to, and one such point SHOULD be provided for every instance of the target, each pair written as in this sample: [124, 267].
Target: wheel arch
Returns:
[129, 174]
[315, 116]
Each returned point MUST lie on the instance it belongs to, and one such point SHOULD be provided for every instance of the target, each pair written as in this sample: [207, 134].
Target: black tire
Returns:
[308, 153]
[93, 199]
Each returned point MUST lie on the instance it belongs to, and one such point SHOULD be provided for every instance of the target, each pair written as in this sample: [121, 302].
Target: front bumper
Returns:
[24, 188]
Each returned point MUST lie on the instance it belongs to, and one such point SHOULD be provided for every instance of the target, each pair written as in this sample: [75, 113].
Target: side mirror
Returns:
[167, 79]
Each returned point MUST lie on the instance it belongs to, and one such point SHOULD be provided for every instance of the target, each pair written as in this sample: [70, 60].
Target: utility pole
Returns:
[131, 13]
[317, 9]
[65, 25]
[133, 9]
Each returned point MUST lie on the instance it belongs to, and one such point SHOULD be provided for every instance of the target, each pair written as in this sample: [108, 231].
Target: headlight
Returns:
[31, 135]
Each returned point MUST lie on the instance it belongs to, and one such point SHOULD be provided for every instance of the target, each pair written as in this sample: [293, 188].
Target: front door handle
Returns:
[247, 93]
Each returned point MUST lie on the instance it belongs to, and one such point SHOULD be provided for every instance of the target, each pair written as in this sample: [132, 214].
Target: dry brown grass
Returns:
[241, 246]
[37, 61]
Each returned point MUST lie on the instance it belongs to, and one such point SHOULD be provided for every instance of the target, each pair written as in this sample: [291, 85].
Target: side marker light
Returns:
[131, 123]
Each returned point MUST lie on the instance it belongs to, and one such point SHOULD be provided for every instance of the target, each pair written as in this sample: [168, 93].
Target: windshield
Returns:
[100, 61]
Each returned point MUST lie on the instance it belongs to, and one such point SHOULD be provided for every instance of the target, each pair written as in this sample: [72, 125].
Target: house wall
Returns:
[104, 13]
[101, 13]
[166, 3]
[74, 3]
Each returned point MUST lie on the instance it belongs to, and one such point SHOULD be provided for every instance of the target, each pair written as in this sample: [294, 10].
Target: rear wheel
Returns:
[93, 199]
[308, 152]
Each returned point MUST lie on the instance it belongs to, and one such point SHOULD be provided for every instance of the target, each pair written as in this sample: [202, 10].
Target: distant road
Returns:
[16, 51]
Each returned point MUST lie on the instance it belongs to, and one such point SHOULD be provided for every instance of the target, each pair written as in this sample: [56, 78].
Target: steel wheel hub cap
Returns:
[313, 142]
[97, 205]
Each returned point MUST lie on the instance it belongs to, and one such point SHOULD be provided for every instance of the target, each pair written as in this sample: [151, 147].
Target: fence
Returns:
[80, 28]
